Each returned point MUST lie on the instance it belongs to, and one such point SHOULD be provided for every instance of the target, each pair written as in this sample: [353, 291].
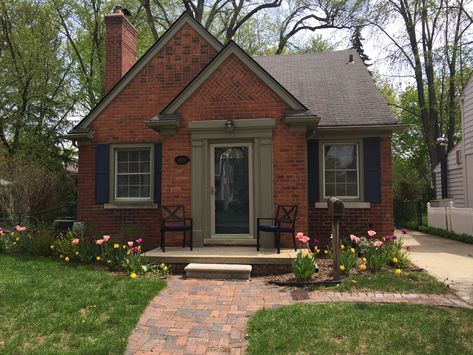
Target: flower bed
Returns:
[357, 255]
[117, 254]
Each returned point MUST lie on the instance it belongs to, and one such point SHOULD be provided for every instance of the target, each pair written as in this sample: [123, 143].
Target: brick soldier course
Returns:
[209, 316]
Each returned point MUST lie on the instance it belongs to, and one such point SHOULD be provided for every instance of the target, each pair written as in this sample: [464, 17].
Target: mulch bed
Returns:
[323, 277]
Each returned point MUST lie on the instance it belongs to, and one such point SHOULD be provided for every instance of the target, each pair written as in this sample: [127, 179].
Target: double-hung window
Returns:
[132, 173]
[341, 170]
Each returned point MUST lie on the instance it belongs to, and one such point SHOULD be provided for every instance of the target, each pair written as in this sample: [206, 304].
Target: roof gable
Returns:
[231, 49]
[83, 126]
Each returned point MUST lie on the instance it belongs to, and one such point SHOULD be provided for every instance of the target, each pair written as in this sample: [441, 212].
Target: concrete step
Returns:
[218, 271]
[241, 242]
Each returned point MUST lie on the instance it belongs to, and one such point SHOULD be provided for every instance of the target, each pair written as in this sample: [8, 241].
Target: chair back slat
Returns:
[173, 213]
[287, 214]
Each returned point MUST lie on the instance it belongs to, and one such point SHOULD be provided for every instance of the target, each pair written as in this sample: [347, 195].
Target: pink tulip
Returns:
[134, 250]
[106, 238]
[403, 230]
[75, 241]
[355, 239]
[130, 244]
[99, 241]
[302, 238]
[139, 240]
[371, 233]
[378, 243]
[20, 228]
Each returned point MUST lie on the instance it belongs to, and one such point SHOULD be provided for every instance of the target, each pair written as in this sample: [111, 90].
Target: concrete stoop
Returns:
[218, 271]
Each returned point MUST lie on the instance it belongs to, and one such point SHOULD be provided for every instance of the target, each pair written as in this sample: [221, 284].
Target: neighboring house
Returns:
[460, 158]
[258, 132]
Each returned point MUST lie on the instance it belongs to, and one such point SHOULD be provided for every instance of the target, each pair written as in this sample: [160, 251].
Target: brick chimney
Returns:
[120, 46]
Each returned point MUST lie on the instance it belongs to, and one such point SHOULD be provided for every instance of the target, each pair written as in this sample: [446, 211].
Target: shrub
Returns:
[465, 238]
[41, 241]
[33, 187]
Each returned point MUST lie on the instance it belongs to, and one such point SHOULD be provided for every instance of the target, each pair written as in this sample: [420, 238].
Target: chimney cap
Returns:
[350, 58]
[118, 9]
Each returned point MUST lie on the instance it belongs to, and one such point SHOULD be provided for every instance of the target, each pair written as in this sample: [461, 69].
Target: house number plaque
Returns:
[181, 160]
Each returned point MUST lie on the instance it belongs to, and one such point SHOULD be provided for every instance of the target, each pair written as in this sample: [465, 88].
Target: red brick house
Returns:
[230, 137]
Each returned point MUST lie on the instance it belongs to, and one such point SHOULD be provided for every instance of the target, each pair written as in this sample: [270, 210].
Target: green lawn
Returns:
[361, 329]
[407, 282]
[48, 307]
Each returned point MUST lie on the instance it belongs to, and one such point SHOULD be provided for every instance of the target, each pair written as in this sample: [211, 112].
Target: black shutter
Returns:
[372, 164]
[158, 169]
[313, 170]
[102, 156]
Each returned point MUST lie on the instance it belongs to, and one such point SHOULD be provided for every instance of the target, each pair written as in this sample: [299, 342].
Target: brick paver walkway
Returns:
[209, 316]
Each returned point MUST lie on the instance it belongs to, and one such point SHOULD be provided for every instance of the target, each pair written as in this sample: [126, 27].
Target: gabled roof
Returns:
[184, 19]
[232, 49]
[341, 92]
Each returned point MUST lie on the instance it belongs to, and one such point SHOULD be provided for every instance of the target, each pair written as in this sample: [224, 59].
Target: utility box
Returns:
[336, 208]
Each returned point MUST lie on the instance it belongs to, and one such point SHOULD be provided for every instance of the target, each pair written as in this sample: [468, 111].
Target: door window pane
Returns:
[231, 181]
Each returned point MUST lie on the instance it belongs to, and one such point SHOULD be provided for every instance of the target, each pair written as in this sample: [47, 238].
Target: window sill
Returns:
[130, 205]
[348, 204]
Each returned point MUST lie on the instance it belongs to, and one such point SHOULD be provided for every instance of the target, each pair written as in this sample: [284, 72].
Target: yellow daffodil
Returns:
[128, 252]
[66, 259]
[362, 267]
[116, 246]
[133, 275]
[52, 247]
[352, 250]
[326, 251]
[342, 267]
[342, 246]
[364, 260]
[162, 265]
[165, 268]
[17, 239]
[397, 272]
[98, 258]
[77, 253]
[123, 246]
[394, 260]
[61, 256]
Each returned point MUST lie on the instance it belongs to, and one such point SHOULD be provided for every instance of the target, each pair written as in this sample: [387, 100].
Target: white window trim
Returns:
[114, 171]
[357, 145]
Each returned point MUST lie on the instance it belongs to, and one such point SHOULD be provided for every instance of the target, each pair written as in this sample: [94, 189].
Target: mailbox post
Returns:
[336, 209]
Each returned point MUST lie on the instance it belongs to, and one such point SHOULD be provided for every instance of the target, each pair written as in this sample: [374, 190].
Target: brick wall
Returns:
[120, 48]
[358, 221]
[123, 122]
[234, 91]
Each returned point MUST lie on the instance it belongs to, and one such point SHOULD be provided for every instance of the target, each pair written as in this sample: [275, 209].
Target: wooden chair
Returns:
[284, 222]
[173, 219]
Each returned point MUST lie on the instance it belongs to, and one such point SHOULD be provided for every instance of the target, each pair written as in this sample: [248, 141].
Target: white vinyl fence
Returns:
[458, 220]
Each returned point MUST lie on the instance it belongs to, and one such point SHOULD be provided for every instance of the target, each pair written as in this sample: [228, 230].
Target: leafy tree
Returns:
[432, 33]
[37, 94]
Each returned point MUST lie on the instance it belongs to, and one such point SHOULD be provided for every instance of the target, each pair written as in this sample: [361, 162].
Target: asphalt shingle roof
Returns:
[341, 93]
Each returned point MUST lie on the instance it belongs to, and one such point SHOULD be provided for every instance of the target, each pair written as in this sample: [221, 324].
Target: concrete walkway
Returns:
[448, 260]
[209, 316]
